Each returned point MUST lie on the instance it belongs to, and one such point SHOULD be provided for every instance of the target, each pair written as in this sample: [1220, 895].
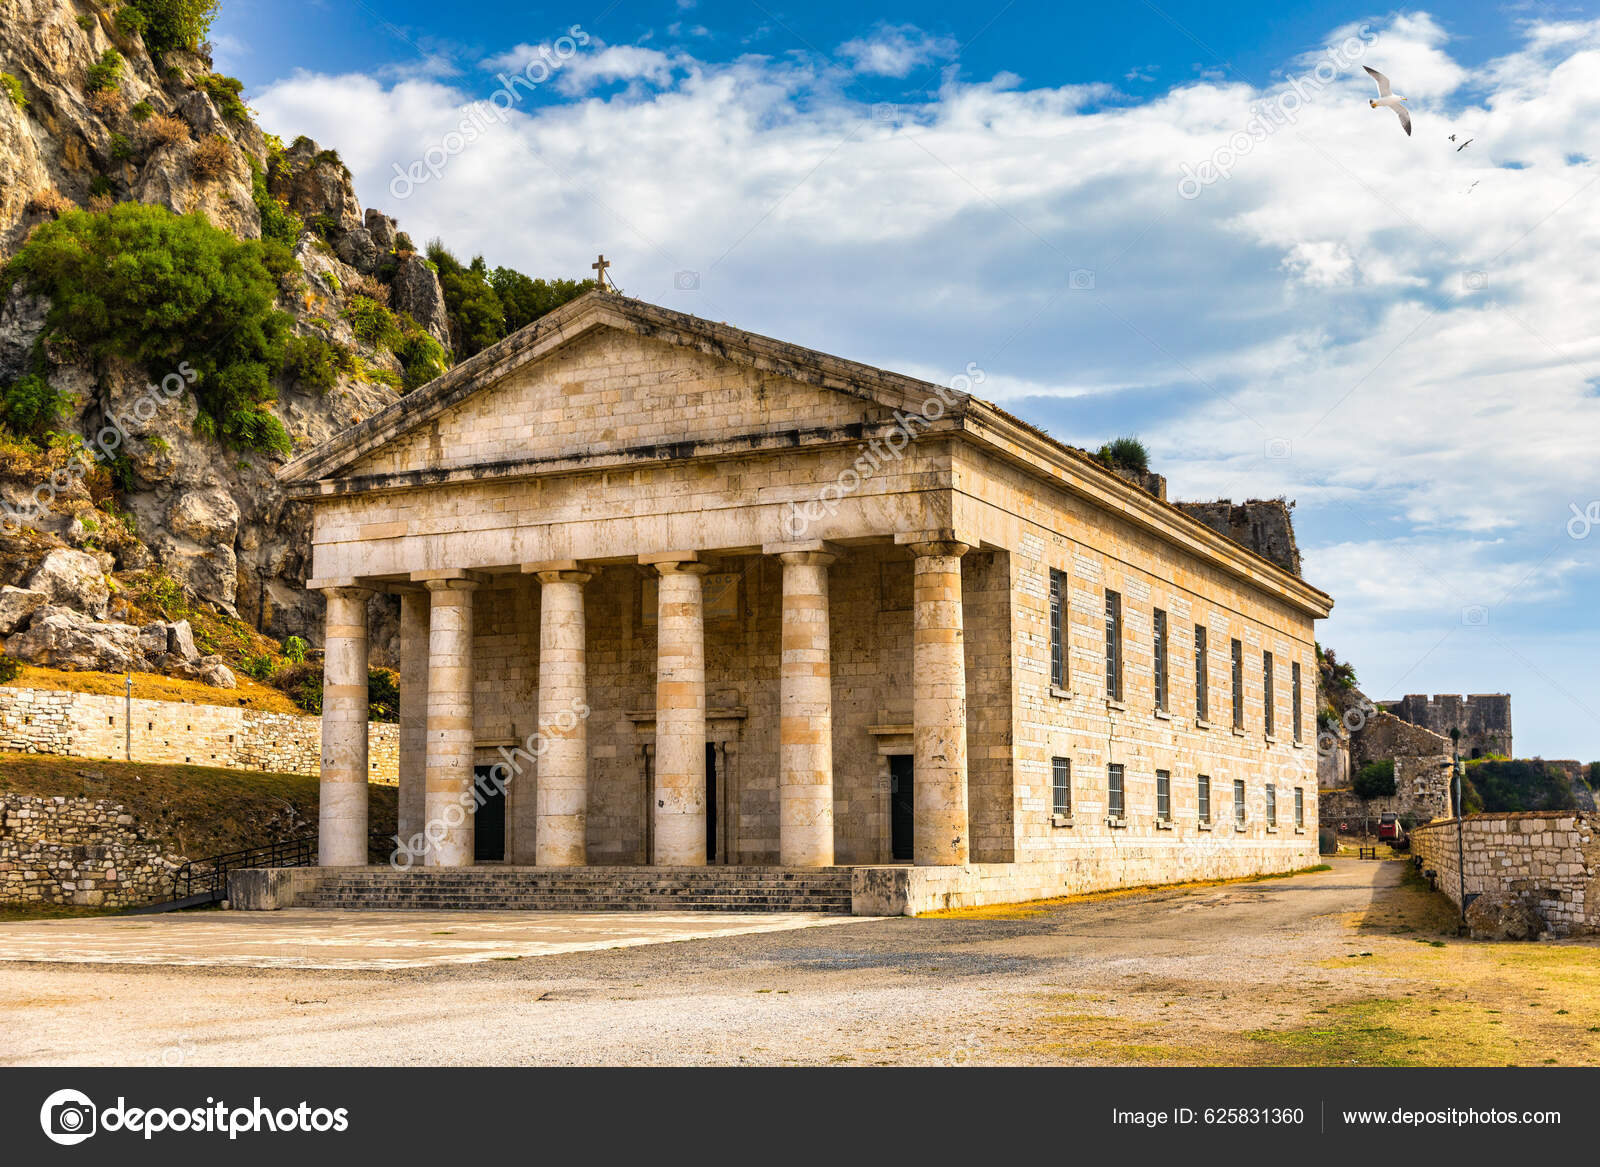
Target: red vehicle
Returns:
[1390, 830]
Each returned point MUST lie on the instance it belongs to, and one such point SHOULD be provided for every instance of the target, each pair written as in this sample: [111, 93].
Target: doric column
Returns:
[342, 804]
[680, 794]
[805, 713]
[413, 714]
[939, 705]
[561, 833]
[448, 804]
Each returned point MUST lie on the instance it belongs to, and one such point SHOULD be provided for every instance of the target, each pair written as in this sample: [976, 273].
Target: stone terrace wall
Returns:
[91, 725]
[1549, 858]
[78, 851]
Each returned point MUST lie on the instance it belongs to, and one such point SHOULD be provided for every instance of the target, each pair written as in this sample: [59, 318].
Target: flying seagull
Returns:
[1388, 97]
[1465, 144]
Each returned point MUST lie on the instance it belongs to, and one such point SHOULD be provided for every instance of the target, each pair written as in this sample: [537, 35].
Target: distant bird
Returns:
[1474, 183]
[1465, 144]
[1452, 137]
[1388, 97]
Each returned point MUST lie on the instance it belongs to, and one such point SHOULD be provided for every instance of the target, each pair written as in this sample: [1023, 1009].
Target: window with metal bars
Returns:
[1058, 628]
[1272, 805]
[1238, 685]
[1115, 806]
[1268, 697]
[1060, 786]
[1202, 680]
[1238, 802]
[1164, 795]
[1203, 797]
[1294, 697]
[1159, 645]
[1299, 807]
[1113, 646]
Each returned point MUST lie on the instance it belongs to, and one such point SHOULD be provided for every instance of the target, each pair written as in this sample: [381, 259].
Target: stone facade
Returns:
[1481, 721]
[1422, 793]
[92, 725]
[78, 851]
[1548, 860]
[815, 609]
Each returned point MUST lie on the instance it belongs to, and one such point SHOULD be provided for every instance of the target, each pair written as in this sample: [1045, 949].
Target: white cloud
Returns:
[893, 50]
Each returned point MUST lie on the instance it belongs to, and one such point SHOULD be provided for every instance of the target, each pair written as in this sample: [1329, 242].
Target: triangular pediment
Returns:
[606, 377]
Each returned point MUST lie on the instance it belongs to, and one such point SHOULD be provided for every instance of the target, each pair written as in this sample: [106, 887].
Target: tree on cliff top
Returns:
[175, 24]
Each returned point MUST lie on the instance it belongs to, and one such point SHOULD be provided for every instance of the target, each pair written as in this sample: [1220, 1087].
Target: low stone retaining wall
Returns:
[1549, 859]
[93, 725]
[78, 851]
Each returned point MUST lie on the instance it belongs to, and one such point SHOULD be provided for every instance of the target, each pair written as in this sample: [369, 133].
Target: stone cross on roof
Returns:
[600, 266]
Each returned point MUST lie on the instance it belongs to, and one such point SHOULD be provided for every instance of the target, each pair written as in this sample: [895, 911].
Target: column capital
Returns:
[675, 562]
[556, 568]
[450, 579]
[816, 552]
[936, 541]
[345, 587]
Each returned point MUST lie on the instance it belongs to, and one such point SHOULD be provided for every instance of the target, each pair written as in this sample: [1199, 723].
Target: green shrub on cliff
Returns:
[173, 293]
[175, 24]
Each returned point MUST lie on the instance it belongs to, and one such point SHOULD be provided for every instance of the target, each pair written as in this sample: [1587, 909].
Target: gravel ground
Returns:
[999, 988]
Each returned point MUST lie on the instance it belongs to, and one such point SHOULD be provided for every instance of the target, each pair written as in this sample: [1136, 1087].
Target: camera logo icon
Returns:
[1475, 616]
[1279, 449]
[686, 281]
[1474, 281]
[68, 1117]
[1080, 279]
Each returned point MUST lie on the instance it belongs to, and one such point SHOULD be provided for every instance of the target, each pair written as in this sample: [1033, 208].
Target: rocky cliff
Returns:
[89, 119]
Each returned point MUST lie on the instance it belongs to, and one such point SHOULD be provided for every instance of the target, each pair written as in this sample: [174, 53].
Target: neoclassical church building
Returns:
[675, 595]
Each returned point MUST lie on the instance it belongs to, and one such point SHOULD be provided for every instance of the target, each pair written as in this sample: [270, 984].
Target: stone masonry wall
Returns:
[92, 725]
[78, 851]
[1549, 858]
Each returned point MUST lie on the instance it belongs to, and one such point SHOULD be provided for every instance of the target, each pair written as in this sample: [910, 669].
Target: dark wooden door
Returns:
[902, 806]
[711, 802]
[489, 822]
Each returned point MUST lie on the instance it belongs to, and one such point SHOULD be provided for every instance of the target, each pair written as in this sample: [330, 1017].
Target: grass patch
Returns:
[193, 811]
[155, 687]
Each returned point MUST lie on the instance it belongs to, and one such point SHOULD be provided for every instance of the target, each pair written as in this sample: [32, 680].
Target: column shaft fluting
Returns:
[342, 805]
[561, 833]
[939, 706]
[449, 802]
[413, 714]
[680, 786]
[805, 714]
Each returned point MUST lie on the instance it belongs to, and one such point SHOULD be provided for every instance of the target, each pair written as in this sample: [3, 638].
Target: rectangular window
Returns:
[1267, 695]
[1058, 628]
[1202, 680]
[1203, 797]
[1160, 647]
[1299, 807]
[1114, 803]
[1272, 805]
[1060, 786]
[1238, 685]
[1114, 646]
[1238, 802]
[1294, 696]
[1164, 795]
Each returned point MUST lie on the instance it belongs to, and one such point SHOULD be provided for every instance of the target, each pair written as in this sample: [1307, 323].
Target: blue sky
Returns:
[1393, 332]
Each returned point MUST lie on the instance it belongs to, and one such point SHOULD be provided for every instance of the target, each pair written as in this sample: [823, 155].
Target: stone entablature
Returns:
[766, 606]
[79, 851]
[1550, 860]
[93, 725]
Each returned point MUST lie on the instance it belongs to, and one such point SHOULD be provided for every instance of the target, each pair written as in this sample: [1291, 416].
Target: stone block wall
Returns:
[79, 851]
[1421, 791]
[1263, 525]
[1550, 859]
[94, 725]
[1482, 720]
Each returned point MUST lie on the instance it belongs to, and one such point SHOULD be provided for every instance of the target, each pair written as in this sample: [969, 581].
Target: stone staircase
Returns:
[586, 889]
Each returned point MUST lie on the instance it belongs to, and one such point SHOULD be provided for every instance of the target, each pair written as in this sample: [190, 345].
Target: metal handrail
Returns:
[209, 876]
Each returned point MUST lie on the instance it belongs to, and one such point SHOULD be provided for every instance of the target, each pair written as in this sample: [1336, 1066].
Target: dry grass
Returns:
[211, 158]
[154, 687]
[163, 129]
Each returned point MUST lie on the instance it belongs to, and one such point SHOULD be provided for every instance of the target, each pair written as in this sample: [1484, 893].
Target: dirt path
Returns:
[1336, 967]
